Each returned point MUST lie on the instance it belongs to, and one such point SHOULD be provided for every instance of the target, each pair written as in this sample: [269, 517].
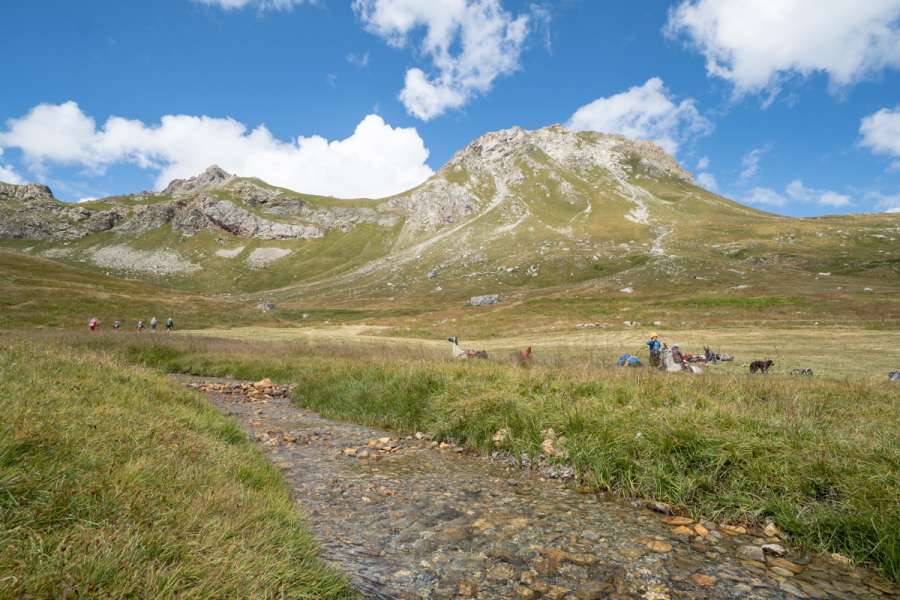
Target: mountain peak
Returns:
[577, 150]
[213, 176]
[27, 191]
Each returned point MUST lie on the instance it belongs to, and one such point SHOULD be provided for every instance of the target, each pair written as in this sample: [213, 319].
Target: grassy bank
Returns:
[116, 483]
[820, 458]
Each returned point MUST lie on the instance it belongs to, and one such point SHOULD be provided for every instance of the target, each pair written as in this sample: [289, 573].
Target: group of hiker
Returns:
[94, 324]
[673, 359]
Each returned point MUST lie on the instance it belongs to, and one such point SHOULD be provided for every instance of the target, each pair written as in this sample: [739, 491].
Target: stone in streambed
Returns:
[678, 521]
[754, 553]
[703, 580]
[780, 563]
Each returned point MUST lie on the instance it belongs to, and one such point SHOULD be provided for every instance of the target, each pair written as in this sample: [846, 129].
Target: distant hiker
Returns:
[116, 325]
[677, 356]
[655, 349]
[140, 325]
[153, 323]
[170, 325]
[93, 324]
[894, 376]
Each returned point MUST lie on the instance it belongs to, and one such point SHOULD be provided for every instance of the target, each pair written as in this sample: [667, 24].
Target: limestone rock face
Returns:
[31, 212]
[242, 223]
[213, 176]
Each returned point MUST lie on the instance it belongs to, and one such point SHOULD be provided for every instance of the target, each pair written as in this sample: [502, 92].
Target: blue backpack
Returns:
[627, 360]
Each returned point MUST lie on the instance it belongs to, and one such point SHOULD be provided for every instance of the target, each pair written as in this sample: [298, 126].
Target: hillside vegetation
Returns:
[519, 213]
[115, 483]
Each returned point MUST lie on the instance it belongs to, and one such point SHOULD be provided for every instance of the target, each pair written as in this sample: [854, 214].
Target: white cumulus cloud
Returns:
[8, 175]
[756, 44]
[797, 192]
[646, 112]
[765, 196]
[469, 43]
[889, 203]
[376, 160]
[880, 133]
[259, 4]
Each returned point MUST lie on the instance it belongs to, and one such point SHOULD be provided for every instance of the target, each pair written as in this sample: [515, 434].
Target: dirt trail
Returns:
[407, 520]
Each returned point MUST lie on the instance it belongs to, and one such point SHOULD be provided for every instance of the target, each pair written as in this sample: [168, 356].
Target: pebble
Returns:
[659, 547]
[467, 589]
[777, 562]
[704, 580]
[752, 553]
[792, 590]
[678, 521]
[733, 529]
[774, 549]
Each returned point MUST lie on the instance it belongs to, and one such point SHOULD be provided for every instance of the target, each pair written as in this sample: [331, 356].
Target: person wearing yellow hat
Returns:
[655, 349]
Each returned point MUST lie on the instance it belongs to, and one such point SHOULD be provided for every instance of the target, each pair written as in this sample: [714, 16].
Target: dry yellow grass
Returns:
[830, 352]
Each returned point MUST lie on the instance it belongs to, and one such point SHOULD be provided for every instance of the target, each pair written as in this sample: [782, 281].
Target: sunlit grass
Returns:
[116, 483]
[819, 457]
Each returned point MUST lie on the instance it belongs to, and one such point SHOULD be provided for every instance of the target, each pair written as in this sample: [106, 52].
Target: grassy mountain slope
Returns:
[523, 214]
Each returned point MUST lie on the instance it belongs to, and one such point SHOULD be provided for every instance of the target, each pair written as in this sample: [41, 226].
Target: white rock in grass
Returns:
[262, 257]
[225, 253]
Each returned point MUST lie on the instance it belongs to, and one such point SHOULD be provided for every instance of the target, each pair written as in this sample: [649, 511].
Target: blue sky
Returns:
[793, 109]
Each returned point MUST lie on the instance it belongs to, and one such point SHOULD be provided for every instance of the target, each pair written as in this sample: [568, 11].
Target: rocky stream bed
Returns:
[405, 517]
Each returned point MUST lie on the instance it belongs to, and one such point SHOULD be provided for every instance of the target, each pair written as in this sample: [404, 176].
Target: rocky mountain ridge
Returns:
[513, 209]
[458, 190]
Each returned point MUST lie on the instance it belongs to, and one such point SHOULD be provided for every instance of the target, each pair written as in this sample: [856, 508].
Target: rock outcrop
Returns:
[31, 212]
[214, 176]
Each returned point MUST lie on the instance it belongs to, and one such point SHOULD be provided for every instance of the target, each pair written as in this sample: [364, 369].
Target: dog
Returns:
[802, 372]
[761, 366]
[464, 354]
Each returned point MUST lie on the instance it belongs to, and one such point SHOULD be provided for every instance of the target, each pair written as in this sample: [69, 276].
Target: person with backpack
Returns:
[140, 326]
[153, 323]
[655, 349]
[93, 324]
[116, 325]
[170, 325]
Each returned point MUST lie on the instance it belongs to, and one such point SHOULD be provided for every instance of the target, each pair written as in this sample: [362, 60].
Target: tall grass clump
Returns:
[116, 483]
